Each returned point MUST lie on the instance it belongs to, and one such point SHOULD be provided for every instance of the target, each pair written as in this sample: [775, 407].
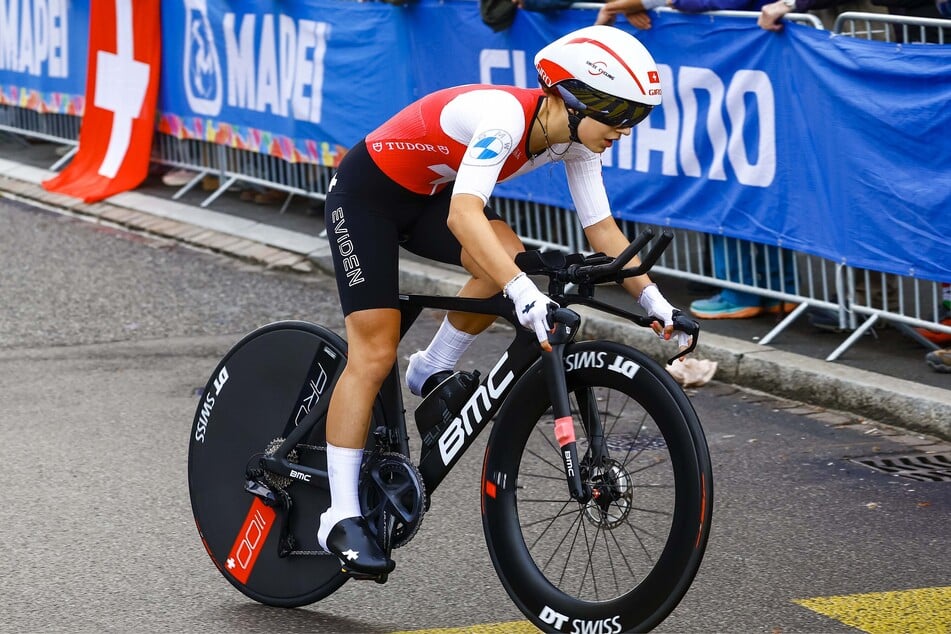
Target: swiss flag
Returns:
[115, 139]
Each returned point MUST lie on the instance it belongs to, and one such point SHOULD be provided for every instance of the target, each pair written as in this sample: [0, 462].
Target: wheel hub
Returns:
[612, 494]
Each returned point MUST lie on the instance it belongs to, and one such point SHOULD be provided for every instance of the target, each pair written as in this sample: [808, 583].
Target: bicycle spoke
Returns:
[544, 500]
[535, 454]
[588, 566]
[649, 466]
[607, 548]
[558, 548]
[666, 513]
[547, 519]
[541, 477]
[570, 550]
[622, 551]
[641, 542]
[550, 524]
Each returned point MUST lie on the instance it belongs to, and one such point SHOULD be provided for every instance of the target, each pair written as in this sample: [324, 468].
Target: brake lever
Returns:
[691, 327]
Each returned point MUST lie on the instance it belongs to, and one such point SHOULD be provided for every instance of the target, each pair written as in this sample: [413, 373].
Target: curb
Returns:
[882, 398]
[266, 244]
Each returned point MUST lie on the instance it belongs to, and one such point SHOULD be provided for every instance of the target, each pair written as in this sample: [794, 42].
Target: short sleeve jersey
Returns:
[472, 137]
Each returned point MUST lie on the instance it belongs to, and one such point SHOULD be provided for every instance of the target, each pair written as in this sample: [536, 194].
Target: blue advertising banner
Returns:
[301, 80]
[825, 144]
[829, 145]
[43, 45]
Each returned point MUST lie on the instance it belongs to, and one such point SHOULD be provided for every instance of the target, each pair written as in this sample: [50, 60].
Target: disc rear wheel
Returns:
[256, 396]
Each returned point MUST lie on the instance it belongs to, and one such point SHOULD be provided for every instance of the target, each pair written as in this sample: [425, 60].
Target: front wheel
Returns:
[622, 560]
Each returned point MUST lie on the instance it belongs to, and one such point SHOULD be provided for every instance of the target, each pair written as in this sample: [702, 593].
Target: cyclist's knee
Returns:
[371, 364]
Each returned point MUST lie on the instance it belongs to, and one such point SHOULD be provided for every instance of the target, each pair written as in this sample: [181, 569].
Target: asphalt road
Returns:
[105, 337]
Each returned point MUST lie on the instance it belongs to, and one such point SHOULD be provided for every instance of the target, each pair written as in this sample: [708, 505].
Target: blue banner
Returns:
[301, 80]
[43, 47]
[825, 144]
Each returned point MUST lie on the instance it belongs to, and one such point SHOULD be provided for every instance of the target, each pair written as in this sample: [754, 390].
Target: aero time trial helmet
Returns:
[601, 72]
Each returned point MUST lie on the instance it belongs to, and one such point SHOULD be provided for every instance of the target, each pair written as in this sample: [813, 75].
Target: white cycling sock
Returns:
[442, 354]
[343, 472]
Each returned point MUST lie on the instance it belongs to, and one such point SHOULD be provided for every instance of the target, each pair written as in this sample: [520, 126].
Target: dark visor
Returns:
[602, 107]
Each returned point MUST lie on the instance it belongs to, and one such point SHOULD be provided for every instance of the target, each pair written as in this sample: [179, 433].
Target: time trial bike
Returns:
[596, 487]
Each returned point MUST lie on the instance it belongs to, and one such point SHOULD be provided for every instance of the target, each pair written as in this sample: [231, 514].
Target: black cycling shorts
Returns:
[368, 217]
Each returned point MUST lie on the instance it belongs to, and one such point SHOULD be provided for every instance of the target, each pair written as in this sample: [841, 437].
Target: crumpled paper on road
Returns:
[693, 372]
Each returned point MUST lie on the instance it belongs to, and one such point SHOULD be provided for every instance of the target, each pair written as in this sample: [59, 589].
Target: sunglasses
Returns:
[602, 107]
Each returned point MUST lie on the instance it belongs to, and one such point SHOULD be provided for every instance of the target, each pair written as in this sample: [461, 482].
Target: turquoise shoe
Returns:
[718, 308]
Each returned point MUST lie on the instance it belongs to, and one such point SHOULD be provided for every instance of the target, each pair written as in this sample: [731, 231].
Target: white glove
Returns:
[655, 305]
[531, 306]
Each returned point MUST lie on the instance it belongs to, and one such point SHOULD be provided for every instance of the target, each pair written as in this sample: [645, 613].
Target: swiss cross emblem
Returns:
[653, 77]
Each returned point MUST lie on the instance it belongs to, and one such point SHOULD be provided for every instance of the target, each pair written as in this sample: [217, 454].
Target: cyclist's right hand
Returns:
[531, 306]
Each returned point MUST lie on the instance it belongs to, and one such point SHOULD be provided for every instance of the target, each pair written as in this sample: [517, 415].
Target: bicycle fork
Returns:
[565, 326]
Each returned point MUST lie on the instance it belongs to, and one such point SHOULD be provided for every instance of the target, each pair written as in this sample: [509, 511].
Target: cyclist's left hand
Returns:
[657, 306]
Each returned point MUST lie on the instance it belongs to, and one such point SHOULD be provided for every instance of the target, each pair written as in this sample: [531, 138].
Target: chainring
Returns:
[392, 497]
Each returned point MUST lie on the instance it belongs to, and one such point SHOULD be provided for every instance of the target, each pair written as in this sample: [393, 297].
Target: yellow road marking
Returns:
[920, 611]
[512, 627]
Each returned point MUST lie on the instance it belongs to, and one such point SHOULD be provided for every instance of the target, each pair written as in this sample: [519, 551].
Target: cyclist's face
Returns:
[597, 136]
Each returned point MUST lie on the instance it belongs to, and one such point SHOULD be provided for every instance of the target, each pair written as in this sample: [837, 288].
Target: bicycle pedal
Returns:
[362, 576]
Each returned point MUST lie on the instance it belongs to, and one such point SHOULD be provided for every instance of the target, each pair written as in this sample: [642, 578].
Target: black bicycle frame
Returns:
[436, 461]
[458, 435]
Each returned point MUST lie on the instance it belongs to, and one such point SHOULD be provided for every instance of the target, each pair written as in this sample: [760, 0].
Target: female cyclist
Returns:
[422, 181]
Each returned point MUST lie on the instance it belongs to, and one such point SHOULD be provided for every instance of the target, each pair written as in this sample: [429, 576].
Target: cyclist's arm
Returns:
[468, 223]
[586, 185]
[497, 123]
[606, 236]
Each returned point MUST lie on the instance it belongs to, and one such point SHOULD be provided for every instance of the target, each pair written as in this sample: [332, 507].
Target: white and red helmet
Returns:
[602, 72]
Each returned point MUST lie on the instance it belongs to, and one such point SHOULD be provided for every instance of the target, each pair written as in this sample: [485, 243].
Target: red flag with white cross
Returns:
[115, 139]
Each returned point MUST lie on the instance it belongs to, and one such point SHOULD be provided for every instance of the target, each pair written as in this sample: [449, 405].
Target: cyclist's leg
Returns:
[458, 330]
[364, 241]
[372, 338]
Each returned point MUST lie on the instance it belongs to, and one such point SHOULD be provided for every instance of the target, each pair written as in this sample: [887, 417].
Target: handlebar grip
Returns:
[651, 258]
[688, 325]
[625, 256]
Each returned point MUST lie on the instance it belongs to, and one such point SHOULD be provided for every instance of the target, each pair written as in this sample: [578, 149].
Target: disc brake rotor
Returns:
[613, 495]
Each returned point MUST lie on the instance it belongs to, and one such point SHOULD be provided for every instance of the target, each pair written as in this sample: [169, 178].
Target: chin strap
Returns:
[574, 119]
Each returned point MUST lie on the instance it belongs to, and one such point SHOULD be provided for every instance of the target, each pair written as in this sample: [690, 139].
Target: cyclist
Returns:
[422, 181]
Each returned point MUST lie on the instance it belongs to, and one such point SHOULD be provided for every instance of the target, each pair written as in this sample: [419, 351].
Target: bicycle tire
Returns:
[623, 566]
[257, 393]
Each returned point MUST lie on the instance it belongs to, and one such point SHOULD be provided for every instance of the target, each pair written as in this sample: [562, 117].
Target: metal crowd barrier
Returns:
[231, 166]
[55, 128]
[857, 298]
[893, 28]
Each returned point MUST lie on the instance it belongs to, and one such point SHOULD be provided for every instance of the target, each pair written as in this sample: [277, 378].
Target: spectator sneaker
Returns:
[940, 338]
[777, 308]
[718, 308]
[177, 178]
[939, 360]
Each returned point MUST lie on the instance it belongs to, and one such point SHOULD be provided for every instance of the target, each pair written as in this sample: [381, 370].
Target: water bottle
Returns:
[446, 394]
